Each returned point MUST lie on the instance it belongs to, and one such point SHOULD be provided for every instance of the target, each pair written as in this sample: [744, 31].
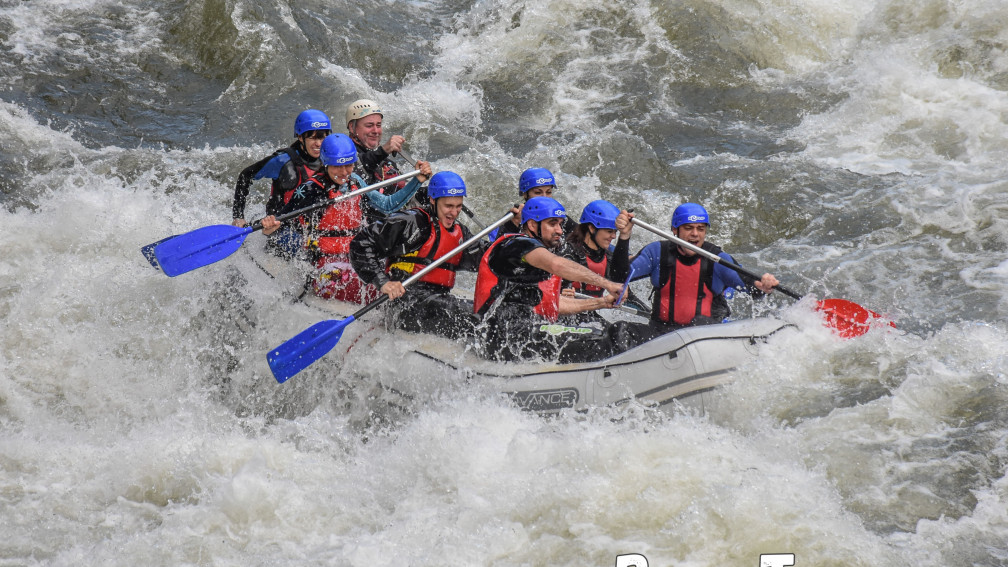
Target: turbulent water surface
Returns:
[854, 149]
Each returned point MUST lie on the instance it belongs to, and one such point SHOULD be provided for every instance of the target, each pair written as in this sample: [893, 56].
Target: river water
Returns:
[854, 149]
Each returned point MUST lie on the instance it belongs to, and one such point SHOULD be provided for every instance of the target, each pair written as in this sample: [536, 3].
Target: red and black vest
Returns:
[685, 290]
[339, 222]
[597, 267]
[490, 286]
[440, 242]
[304, 172]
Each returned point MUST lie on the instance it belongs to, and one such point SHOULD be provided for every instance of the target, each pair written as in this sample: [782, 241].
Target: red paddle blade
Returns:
[848, 318]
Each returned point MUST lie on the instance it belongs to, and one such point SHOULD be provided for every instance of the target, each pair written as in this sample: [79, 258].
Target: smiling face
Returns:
[602, 239]
[367, 130]
[694, 232]
[312, 141]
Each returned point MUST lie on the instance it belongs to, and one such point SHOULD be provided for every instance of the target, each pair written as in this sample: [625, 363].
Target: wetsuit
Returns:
[411, 240]
[688, 290]
[326, 232]
[288, 168]
[519, 304]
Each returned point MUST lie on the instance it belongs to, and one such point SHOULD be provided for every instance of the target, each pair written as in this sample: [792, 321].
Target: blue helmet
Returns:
[601, 214]
[446, 184]
[689, 213]
[338, 149]
[310, 120]
[542, 208]
[534, 177]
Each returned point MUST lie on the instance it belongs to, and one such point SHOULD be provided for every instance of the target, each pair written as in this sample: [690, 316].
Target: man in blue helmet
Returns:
[325, 233]
[689, 289]
[288, 167]
[533, 182]
[518, 293]
[410, 240]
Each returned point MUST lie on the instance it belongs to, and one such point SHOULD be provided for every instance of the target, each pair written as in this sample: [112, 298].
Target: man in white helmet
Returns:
[375, 163]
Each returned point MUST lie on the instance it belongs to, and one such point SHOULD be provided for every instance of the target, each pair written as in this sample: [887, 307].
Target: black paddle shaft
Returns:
[711, 256]
[257, 225]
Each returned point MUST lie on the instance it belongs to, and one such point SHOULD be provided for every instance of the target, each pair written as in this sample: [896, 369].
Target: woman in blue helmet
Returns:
[690, 289]
[326, 233]
[288, 167]
[518, 294]
[588, 244]
[408, 241]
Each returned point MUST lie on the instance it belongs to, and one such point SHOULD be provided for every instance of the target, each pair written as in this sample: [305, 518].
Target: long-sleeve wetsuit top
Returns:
[287, 167]
[397, 235]
[647, 263]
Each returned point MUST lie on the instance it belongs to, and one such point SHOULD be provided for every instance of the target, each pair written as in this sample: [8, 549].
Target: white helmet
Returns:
[360, 108]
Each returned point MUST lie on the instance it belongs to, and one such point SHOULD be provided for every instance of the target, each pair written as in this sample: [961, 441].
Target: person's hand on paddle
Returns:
[425, 170]
[394, 144]
[567, 291]
[270, 225]
[393, 289]
[238, 222]
[766, 283]
[624, 224]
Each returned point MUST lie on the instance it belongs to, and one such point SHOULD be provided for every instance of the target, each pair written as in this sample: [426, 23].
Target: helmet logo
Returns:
[342, 160]
[559, 213]
[695, 218]
[454, 191]
[544, 180]
[318, 125]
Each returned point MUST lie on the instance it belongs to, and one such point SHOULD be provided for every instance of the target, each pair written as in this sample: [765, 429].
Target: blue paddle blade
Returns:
[195, 249]
[626, 286]
[305, 348]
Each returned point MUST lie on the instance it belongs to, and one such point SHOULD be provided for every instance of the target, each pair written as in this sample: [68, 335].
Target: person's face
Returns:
[340, 174]
[694, 233]
[603, 237]
[550, 231]
[368, 130]
[312, 141]
[542, 191]
[448, 209]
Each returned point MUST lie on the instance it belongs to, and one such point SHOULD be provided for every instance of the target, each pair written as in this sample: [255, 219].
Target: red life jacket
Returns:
[489, 286]
[685, 288]
[441, 241]
[339, 222]
[597, 267]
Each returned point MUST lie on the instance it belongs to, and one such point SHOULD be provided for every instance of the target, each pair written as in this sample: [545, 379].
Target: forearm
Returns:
[571, 305]
[391, 203]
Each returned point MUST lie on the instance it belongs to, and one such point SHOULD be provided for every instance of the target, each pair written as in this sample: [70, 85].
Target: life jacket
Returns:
[339, 222]
[489, 286]
[597, 267]
[441, 241]
[685, 290]
[278, 195]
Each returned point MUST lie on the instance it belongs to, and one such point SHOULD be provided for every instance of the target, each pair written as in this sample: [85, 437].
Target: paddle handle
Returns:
[465, 208]
[710, 255]
[257, 225]
[436, 263]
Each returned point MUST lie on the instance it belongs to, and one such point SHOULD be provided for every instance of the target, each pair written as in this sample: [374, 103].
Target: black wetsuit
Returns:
[288, 168]
[427, 306]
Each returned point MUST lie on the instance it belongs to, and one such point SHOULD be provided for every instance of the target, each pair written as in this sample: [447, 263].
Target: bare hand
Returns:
[425, 171]
[393, 290]
[394, 144]
[766, 283]
[270, 225]
[238, 222]
[623, 224]
[568, 291]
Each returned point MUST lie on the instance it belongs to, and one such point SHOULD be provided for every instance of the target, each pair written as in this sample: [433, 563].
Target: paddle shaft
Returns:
[257, 225]
[465, 208]
[710, 256]
[626, 308]
[436, 263]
